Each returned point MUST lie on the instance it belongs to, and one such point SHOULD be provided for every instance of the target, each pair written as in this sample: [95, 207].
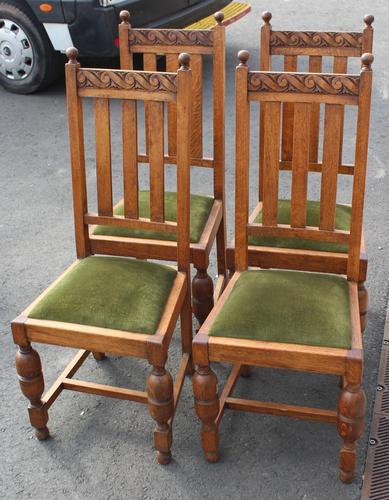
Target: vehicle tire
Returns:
[28, 61]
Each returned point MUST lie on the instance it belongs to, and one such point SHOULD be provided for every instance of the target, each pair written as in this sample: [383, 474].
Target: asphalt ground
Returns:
[102, 448]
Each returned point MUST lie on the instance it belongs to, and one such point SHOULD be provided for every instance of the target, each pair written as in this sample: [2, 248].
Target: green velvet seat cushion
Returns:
[109, 292]
[287, 306]
[342, 222]
[200, 207]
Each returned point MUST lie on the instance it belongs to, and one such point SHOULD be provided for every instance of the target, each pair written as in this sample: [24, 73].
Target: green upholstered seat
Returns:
[200, 207]
[287, 306]
[109, 292]
[342, 222]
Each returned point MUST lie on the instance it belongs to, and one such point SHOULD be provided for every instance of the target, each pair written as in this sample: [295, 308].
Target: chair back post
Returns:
[124, 46]
[359, 181]
[242, 149]
[77, 154]
[368, 32]
[184, 111]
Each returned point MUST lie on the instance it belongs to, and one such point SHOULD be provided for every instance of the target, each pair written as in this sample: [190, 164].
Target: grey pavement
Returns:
[102, 448]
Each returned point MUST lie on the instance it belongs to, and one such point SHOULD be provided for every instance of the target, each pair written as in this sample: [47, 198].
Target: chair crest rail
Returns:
[170, 37]
[316, 39]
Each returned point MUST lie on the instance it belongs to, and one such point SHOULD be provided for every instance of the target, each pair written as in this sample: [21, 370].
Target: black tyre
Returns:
[28, 61]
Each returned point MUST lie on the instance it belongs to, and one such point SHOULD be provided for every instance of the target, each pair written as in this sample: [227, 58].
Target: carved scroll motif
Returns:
[201, 38]
[315, 39]
[304, 83]
[124, 80]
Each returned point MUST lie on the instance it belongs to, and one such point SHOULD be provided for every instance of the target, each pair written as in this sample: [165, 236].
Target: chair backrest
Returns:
[292, 45]
[272, 90]
[129, 86]
[168, 43]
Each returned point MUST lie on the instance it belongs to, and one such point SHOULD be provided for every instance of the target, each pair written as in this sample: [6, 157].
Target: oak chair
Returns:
[118, 305]
[207, 214]
[290, 319]
[299, 252]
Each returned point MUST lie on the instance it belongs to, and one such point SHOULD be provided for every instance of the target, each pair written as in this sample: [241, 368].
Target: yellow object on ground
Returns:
[232, 12]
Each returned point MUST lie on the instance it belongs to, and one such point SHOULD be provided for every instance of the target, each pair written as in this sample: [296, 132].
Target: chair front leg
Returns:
[205, 390]
[202, 293]
[29, 369]
[351, 422]
[161, 408]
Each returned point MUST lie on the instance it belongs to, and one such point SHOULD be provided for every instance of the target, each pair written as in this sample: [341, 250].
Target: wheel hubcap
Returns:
[16, 55]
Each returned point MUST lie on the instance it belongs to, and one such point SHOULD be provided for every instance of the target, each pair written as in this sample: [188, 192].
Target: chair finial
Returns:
[184, 60]
[125, 16]
[266, 17]
[367, 60]
[219, 17]
[72, 54]
[368, 19]
[243, 56]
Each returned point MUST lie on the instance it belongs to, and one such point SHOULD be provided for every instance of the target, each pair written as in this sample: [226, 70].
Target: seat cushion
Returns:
[342, 222]
[287, 306]
[109, 292]
[200, 207]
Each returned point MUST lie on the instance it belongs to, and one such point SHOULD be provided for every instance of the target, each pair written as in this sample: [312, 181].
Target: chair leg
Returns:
[99, 356]
[202, 291]
[351, 422]
[186, 332]
[29, 369]
[245, 371]
[363, 299]
[161, 408]
[207, 408]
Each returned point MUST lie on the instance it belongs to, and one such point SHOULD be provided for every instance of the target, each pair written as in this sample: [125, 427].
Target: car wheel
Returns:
[28, 61]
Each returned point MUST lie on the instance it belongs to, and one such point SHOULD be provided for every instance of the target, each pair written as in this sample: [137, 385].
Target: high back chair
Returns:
[118, 305]
[207, 214]
[294, 320]
[296, 252]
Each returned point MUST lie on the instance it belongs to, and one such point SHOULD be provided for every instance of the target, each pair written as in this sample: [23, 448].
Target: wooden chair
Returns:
[294, 320]
[299, 253]
[123, 306]
[207, 214]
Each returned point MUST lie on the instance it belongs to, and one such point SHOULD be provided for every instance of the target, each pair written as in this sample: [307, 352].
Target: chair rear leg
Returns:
[351, 422]
[207, 408]
[202, 291]
[363, 299]
[161, 408]
[29, 369]
[99, 356]
[186, 333]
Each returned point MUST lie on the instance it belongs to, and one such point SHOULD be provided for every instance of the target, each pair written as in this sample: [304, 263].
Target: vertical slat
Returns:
[103, 156]
[242, 152]
[271, 163]
[130, 163]
[290, 64]
[300, 160]
[218, 94]
[332, 134]
[196, 64]
[340, 66]
[77, 157]
[172, 66]
[156, 160]
[315, 66]
[149, 64]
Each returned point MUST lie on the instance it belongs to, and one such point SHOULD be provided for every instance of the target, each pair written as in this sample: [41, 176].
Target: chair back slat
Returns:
[333, 121]
[156, 160]
[130, 159]
[300, 160]
[315, 66]
[271, 158]
[171, 65]
[149, 64]
[273, 90]
[197, 106]
[129, 86]
[290, 64]
[103, 156]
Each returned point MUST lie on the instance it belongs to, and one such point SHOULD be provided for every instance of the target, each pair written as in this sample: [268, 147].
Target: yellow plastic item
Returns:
[232, 12]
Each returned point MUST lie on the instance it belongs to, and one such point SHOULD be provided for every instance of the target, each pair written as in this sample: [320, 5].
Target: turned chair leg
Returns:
[245, 371]
[161, 408]
[351, 422]
[99, 356]
[202, 295]
[29, 369]
[363, 299]
[205, 386]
